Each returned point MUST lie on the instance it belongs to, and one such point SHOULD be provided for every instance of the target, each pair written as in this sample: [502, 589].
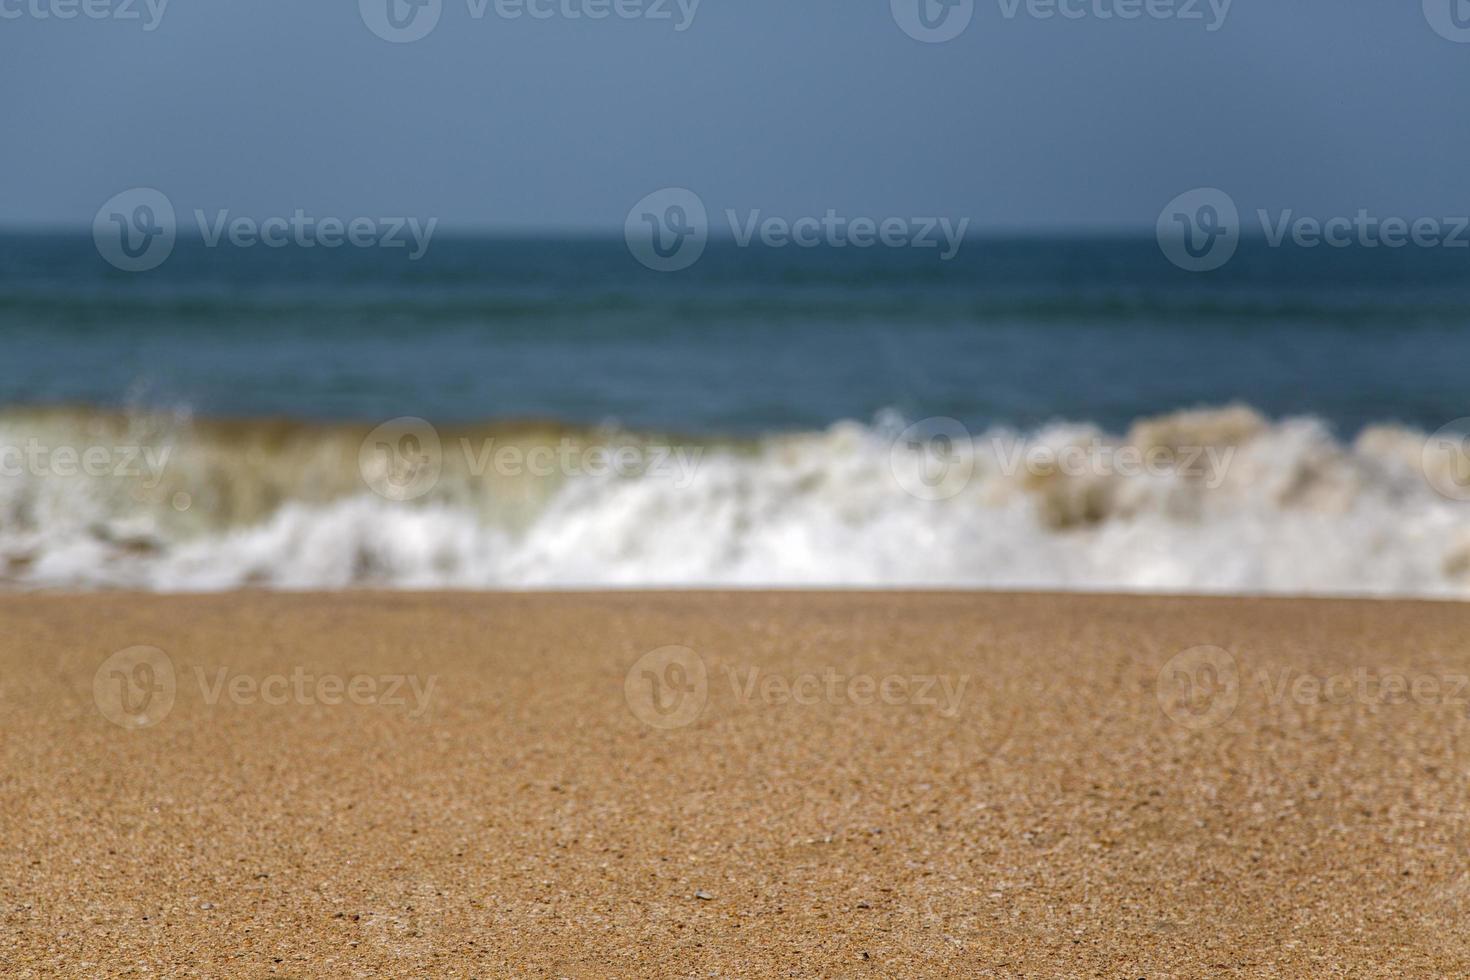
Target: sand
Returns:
[1006, 794]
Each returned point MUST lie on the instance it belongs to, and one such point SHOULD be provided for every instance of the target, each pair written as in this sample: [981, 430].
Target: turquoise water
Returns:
[749, 340]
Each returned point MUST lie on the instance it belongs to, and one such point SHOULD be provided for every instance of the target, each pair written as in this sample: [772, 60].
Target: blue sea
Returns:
[275, 389]
[749, 340]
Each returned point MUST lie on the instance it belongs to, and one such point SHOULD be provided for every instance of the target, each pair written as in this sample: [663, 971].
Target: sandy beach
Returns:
[723, 785]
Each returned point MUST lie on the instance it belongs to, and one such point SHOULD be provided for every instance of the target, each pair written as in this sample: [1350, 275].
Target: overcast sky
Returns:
[790, 106]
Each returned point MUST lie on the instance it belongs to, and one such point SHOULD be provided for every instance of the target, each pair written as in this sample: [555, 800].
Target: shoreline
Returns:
[696, 783]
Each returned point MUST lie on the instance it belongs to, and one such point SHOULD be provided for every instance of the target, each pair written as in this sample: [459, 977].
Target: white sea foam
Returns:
[1283, 508]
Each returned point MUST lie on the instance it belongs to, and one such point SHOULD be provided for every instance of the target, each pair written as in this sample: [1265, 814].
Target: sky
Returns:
[793, 107]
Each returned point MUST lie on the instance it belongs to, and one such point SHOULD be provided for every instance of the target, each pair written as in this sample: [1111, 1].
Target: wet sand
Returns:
[807, 785]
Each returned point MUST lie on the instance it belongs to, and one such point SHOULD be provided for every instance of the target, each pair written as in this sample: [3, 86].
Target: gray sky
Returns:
[790, 106]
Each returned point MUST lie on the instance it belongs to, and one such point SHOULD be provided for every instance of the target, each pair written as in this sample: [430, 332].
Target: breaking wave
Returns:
[1216, 500]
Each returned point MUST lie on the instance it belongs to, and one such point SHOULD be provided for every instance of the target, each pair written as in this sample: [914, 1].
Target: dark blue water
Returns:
[748, 340]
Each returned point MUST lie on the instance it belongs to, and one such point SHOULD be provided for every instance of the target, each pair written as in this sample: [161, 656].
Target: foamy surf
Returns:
[1219, 501]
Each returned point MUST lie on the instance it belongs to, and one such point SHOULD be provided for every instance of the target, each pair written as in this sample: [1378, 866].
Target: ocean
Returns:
[1067, 413]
